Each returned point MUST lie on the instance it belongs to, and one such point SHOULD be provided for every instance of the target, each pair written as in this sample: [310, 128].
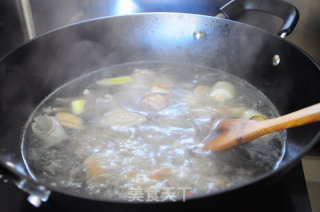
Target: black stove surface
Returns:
[287, 195]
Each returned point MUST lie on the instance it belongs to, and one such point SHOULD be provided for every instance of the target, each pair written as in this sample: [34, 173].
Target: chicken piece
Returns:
[69, 120]
[200, 92]
[131, 174]
[123, 118]
[93, 167]
[222, 91]
[154, 102]
[160, 88]
[161, 174]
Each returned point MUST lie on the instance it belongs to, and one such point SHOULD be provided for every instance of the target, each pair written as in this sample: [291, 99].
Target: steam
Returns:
[28, 75]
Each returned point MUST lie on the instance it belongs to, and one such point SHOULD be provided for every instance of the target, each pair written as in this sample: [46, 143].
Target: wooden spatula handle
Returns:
[297, 118]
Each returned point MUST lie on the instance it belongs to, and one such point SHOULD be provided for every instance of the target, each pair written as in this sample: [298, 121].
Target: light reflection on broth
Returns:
[144, 124]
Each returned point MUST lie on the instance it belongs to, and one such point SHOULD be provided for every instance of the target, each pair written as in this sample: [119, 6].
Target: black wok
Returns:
[31, 72]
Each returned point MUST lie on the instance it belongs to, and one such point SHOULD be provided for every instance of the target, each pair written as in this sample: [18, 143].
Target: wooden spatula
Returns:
[235, 132]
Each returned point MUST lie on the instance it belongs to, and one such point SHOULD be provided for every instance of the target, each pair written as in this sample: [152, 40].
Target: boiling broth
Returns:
[124, 130]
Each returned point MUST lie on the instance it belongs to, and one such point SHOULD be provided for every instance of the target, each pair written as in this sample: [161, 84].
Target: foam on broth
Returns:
[162, 149]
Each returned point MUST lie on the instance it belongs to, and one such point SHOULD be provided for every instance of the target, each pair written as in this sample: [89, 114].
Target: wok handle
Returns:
[286, 11]
[36, 193]
[6, 174]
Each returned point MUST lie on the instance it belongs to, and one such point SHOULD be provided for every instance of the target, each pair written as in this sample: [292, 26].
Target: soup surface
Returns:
[135, 132]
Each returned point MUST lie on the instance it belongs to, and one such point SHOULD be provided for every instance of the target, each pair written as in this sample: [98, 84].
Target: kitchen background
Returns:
[22, 20]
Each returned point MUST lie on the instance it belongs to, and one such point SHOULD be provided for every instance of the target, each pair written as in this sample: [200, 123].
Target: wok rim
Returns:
[240, 186]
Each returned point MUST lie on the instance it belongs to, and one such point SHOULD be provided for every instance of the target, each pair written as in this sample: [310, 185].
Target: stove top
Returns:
[287, 195]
